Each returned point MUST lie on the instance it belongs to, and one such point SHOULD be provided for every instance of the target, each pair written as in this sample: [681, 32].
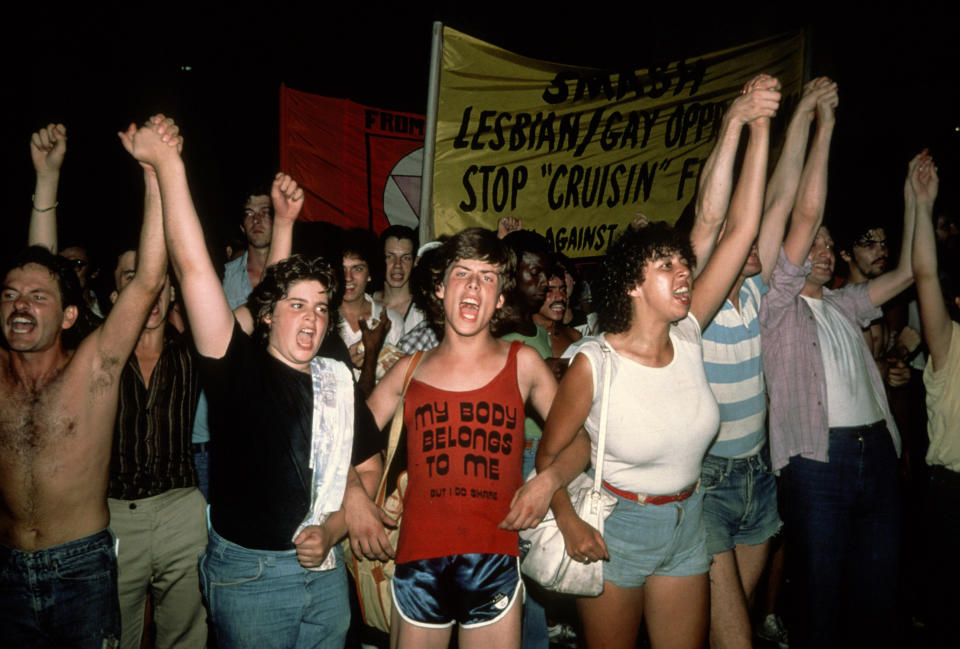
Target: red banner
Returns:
[359, 166]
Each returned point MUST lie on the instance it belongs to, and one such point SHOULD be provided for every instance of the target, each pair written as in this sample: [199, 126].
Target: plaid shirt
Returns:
[794, 367]
[419, 339]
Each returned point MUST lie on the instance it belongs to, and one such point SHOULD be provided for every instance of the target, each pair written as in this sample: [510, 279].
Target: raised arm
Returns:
[118, 335]
[890, 284]
[934, 316]
[287, 198]
[211, 320]
[746, 206]
[713, 196]
[812, 194]
[782, 187]
[47, 149]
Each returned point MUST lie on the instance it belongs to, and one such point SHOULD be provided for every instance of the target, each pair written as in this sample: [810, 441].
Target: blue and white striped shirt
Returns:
[734, 368]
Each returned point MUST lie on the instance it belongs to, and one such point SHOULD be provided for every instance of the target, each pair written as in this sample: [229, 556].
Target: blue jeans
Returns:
[843, 538]
[263, 599]
[739, 501]
[644, 540]
[62, 596]
[942, 570]
[201, 459]
[535, 634]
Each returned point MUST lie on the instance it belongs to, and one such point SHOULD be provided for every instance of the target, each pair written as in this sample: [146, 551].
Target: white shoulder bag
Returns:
[547, 562]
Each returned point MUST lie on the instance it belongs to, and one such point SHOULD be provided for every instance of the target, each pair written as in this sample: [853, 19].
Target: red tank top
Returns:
[464, 463]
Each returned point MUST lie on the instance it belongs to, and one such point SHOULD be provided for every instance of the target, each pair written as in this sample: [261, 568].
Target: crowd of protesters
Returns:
[183, 455]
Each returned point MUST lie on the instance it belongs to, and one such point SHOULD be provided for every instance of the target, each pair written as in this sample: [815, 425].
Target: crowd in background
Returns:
[783, 443]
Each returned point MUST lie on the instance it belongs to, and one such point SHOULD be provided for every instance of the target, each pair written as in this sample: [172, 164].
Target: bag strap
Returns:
[396, 426]
[604, 405]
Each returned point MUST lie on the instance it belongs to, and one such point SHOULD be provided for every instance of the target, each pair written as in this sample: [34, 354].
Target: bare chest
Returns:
[35, 422]
[400, 307]
[353, 317]
[459, 376]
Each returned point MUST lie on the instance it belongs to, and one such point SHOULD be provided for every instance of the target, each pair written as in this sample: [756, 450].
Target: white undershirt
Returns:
[851, 400]
[660, 420]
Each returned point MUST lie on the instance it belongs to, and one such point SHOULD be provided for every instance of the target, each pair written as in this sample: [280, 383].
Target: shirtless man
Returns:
[58, 408]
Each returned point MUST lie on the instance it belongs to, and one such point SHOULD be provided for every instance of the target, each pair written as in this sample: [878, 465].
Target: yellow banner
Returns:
[577, 152]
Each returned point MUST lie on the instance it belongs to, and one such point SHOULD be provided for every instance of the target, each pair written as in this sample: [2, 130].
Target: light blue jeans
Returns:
[263, 599]
[739, 501]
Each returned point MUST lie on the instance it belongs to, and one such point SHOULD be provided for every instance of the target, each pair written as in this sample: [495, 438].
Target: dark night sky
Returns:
[101, 68]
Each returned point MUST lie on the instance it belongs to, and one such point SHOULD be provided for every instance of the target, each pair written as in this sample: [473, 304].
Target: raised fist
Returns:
[47, 148]
[287, 198]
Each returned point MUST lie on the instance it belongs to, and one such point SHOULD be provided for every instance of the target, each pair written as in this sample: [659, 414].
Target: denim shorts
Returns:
[263, 599]
[61, 596]
[470, 589]
[739, 502]
[644, 540]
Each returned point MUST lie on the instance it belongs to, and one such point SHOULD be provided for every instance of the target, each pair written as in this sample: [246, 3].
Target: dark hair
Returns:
[622, 269]
[422, 287]
[688, 217]
[566, 265]
[521, 241]
[59, 267]
[244, 196]
[847, 233]
[400, 232]
[357, 242]
[124, 244]
[473, 243]
[275, 286]
[68, 285]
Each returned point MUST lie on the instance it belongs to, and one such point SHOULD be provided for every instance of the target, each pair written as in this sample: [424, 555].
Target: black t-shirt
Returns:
[261, 413]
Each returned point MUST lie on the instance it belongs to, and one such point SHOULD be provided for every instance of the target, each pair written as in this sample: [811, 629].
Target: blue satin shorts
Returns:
[471, 590]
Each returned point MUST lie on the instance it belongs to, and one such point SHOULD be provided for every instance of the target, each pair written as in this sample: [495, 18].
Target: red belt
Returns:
[646, 499]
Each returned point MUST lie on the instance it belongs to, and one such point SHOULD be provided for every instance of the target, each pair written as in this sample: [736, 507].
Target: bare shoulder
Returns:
[580, 372]
[529, 359]
[535, 378]
[394, 378]
[383, 400]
